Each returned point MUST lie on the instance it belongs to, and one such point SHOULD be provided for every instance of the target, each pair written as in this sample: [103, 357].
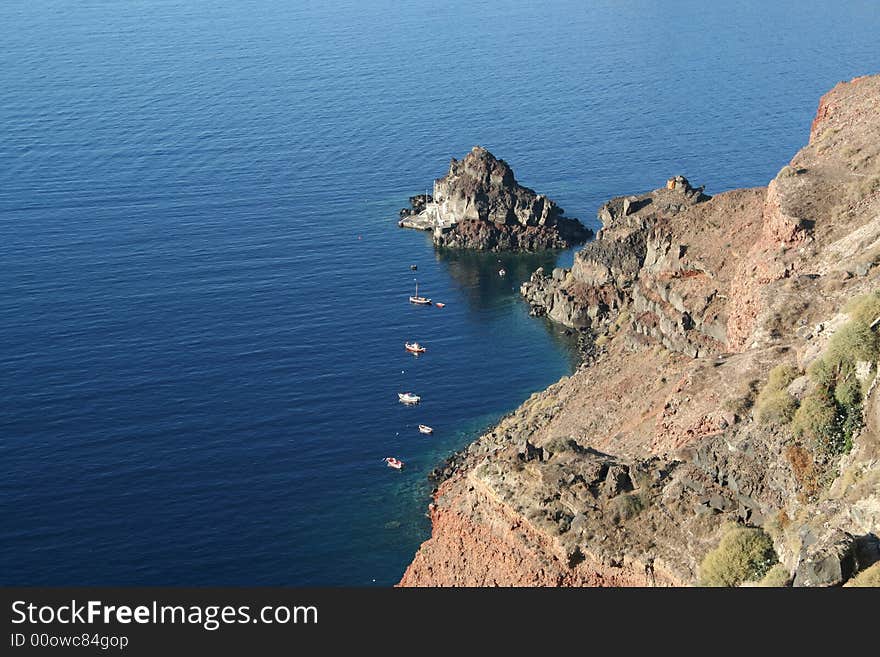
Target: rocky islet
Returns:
[480, 205]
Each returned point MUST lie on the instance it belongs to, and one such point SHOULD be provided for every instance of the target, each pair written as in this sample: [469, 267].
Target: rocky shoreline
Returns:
[700, 408]
[480, 205]
[613, 269]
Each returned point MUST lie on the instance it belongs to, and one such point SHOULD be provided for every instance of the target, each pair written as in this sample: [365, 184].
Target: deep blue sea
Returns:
[203, 290]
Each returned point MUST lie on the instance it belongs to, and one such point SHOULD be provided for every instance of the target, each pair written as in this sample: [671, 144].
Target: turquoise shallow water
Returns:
[203, 288]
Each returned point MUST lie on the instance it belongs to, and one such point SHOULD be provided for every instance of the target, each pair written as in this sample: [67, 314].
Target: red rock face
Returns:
[502, 550]
[759, 268]
[822, 113]
[806, 194]
[828, 104]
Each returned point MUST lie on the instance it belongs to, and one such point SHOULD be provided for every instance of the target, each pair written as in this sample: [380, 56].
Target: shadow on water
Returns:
[477, 275]
[565, 339]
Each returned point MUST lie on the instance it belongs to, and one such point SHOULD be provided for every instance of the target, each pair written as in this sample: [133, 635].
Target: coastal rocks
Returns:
[639, 263]
[417, 203]
[828, 563]
[835, 558]
[501, 548]
[617, 480]
[547, 296]
[480, 205]
[529, 452]
[626, 472]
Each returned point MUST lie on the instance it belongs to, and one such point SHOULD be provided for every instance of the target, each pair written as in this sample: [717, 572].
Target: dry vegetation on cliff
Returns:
[745, 554]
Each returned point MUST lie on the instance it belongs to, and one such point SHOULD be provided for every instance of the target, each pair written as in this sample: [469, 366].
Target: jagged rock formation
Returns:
[417, 205]
[639, 261]
[625, 472]
[480, 205]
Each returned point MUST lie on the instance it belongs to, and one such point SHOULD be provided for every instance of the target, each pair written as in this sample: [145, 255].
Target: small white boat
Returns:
[501, 272]
[414, 347]
[440, 305]
[392, 462]
[424, 428]
[408, 398]
[416, 299]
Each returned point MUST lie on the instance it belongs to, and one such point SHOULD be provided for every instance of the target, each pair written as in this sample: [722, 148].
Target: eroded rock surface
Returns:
[480, 205]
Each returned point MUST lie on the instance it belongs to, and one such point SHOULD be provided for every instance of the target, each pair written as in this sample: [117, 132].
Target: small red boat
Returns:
[392, 462]
[414, 347]
[440, 305]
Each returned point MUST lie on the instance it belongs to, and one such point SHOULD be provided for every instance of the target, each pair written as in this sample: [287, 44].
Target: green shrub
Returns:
[855, 341]
[831, 416]
[864, 309]
[823, 374]
[781, 375]
[818, 422]
[776, 577]
[848, 392]
[850, 426]
[774, 404]
[744, 554]
[848, 395]
[776, 407]
[868, 577]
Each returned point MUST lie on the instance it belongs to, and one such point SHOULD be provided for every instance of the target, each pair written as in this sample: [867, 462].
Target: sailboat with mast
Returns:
[416, 299]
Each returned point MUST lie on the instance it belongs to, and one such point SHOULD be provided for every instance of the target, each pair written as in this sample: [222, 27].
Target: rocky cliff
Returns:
[734, 385]
[480, 205]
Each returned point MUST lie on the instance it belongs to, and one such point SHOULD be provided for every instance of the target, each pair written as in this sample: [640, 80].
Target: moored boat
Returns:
[408, 398]
[416, 299]
[440, 305]
[414, 347]
[424, 428]
[392, 462]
